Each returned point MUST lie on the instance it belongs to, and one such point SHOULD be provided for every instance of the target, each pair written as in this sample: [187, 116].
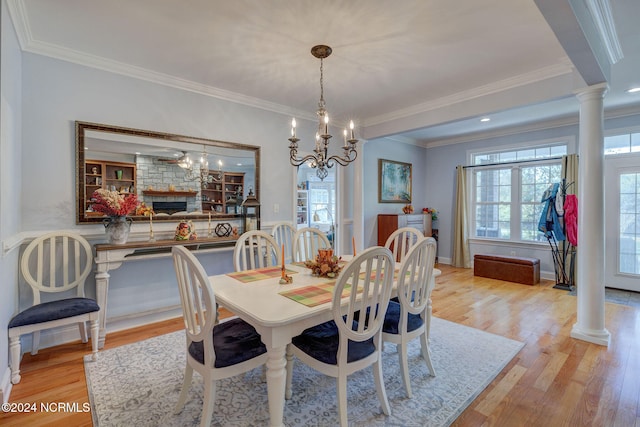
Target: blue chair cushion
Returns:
[54, 310]
[321, 343]
[392, 319]
[234, 341]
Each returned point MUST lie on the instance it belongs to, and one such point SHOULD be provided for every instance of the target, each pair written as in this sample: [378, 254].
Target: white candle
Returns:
[293, 127]
[345, 138]
[351, 126]
[326, 124]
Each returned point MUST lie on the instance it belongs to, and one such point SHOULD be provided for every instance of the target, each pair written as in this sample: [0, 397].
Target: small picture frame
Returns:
[394, 181]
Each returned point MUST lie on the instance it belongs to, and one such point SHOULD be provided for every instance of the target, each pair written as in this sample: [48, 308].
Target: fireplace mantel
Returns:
[156, 193]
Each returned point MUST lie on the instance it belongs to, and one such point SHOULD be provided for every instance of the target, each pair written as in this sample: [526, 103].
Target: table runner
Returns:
[258, 274]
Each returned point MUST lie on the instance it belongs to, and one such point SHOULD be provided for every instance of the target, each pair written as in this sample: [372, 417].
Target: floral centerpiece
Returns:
[326, 264]
[144, 210]
[432, 211]
[116, 206]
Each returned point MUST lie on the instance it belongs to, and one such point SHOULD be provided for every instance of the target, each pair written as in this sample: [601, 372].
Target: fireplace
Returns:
[169, 207]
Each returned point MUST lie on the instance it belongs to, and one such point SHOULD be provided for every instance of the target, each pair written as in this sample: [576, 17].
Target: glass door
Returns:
[622, 232]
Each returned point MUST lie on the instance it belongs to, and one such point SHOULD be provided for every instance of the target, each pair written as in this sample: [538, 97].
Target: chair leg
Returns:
[289, 355]
[95, 331]
[14, 345]
[427, 321]
[341, 385]
[35, 342]
[82, 327]
[209, 401]
[186, 383]
[379, 380]
[426, 354]
[404, 367]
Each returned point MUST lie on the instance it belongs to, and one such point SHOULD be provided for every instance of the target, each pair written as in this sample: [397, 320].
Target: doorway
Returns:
[316, 201]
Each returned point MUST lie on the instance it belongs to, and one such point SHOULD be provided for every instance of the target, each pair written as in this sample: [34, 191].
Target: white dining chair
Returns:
[402, 240]
[283, 233]
[345, 345]
[215, 351]
[51, 264]
[255, 249]
[307, 241]
[410, 318]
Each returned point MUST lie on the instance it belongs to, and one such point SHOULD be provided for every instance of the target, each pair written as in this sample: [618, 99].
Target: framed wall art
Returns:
[394, 182]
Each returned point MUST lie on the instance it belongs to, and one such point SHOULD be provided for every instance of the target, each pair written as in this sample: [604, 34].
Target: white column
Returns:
[591, 214]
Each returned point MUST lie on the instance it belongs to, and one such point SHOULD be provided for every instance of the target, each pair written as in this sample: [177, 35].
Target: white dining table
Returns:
[277, 318]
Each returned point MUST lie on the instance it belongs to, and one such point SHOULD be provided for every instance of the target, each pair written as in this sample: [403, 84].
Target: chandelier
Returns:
[320, 158]
[202, 173]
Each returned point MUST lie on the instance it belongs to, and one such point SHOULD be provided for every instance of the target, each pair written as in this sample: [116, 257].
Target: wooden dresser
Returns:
[388, 223]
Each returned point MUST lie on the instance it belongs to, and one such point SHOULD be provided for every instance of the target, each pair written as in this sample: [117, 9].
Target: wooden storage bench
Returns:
[508, 268]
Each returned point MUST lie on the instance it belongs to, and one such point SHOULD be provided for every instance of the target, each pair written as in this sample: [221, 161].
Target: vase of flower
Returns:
[117, 229]
[116, 207]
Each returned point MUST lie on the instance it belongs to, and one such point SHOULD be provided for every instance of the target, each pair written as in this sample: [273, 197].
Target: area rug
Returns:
[138, 385]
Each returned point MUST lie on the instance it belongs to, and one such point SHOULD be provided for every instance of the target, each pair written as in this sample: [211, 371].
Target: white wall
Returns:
[10, 182]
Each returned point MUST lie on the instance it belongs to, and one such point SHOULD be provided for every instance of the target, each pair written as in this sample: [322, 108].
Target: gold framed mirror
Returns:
[179, 177]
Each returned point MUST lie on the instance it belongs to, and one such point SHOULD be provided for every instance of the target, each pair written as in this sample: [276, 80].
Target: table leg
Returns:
[102, 284]
[276, 381]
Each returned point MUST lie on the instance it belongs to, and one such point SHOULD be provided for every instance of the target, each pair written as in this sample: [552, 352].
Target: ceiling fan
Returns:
[181, 160]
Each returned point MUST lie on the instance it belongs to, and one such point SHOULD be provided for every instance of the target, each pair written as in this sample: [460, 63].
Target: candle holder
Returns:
[151, 236]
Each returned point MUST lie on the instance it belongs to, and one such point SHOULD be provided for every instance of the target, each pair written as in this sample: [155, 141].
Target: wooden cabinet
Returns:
[388, 223]
[221, 196]
[118, 176]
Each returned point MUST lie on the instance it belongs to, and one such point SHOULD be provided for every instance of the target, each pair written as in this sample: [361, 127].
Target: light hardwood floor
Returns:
[554, 380]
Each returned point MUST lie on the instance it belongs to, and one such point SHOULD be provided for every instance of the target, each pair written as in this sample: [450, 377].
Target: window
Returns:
[629, 237]
[622, 144]
[507, 189]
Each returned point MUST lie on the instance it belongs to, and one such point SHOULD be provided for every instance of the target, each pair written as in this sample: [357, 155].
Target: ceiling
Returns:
[417, 71]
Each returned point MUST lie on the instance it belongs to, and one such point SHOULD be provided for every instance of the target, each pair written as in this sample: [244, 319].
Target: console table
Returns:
[110, 257]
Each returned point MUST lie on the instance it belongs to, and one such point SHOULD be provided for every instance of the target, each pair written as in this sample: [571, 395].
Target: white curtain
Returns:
[461, 254]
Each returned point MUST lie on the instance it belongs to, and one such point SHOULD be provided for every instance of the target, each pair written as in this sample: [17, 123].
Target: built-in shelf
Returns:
[157, 193]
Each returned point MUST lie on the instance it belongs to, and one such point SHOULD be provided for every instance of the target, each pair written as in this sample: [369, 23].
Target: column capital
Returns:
[592, 92]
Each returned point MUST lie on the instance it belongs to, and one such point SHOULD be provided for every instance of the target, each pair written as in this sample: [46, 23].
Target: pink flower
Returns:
[112, 203]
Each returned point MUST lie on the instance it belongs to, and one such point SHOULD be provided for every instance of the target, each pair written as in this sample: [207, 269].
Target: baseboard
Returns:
[120, 323]
[5, 385]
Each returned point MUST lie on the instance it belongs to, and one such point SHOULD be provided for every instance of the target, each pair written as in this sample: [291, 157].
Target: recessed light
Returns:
[485, 119]
[634, 90]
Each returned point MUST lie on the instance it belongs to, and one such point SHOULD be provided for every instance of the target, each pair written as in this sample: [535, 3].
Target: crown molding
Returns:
[600, 11]
[534, 76]
[29, 44]
[18, 15]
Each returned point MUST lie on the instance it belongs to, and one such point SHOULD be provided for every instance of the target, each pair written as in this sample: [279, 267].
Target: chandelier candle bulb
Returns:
[293, 128]
[345, 138]
[351, 126]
